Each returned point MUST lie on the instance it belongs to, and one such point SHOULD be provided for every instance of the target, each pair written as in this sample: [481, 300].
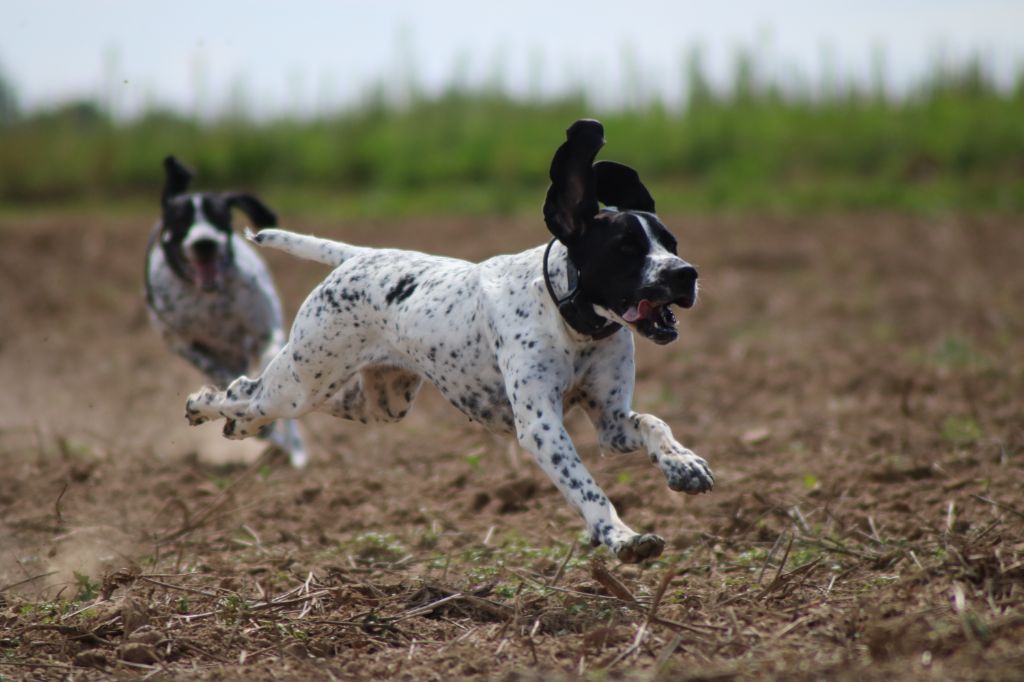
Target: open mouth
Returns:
[656, 321]
[206, 272]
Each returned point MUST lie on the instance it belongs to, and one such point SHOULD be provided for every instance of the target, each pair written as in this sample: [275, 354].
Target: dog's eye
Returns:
[631, 244]
[665, 239]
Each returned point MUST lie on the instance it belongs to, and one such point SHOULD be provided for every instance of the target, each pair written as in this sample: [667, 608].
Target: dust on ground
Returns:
[854, 380]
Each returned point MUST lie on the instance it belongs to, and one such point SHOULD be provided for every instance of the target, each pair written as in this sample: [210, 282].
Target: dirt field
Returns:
[855, 381]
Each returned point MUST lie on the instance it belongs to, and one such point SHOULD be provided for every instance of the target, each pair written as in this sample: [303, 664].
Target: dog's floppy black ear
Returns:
[176, 178]
[572, 198]
[619, 185]
[252, 207]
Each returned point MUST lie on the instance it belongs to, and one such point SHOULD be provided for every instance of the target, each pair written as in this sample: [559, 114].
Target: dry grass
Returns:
[860, 407]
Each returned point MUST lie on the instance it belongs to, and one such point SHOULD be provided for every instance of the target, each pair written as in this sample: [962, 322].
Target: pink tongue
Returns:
[207, 273]
[638, 312]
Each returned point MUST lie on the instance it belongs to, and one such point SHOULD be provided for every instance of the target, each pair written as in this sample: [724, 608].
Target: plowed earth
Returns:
[855, 381]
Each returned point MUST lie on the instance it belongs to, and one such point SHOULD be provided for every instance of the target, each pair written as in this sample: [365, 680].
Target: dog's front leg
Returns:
[607, 398]
[538, 419]
[203, 360]
[623, 430]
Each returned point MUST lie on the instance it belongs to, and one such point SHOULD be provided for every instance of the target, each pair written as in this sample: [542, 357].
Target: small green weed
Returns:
[961, 430]
[373, 547]
[955, 352]
[87, 587]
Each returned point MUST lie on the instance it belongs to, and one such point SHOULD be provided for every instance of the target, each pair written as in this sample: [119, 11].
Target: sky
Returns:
[304, 57]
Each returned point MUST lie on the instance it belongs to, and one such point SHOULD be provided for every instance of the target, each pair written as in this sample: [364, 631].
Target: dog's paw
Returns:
[240, 427]
[232, 430]
[193, 413]
[685, 471]
[640, 548]
[198, 407]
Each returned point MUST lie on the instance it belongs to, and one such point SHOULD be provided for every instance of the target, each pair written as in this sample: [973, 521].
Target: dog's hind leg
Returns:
[323, 352]
[242, 405]
[210, 402]
[375, 394]
[287, 388]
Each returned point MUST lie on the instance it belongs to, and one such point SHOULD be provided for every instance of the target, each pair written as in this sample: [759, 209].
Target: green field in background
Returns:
[955, 142]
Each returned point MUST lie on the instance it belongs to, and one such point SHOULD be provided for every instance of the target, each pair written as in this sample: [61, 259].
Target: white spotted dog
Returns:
[209, 294]
[512, 342]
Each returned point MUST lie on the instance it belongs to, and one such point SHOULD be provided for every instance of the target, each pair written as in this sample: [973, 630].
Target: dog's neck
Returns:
[577, 313]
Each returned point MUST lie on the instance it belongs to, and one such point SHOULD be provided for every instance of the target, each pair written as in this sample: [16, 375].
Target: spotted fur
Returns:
[209, 294]
[491, 339]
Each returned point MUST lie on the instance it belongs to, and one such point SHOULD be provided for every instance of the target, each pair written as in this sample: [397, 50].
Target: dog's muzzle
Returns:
[651, 315]
[207, 264]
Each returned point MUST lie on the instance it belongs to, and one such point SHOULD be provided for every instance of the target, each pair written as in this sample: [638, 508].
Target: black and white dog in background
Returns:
[209, 294]
[512, 342]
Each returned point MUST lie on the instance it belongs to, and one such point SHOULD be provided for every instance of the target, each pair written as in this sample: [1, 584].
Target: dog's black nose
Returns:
[205, 249]
[684, 275]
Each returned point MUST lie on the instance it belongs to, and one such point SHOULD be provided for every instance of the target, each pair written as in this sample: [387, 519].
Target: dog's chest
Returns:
[236, 320]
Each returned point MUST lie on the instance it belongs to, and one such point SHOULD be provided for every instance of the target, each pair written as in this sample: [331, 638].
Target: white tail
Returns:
[324, 251]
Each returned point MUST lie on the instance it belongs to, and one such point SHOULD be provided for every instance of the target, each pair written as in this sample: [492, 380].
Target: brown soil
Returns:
[855, 382]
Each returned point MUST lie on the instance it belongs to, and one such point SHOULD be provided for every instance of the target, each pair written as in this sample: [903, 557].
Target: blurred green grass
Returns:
[953, 142]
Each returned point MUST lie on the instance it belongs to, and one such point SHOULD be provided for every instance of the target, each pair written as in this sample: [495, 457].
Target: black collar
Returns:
[577, 314]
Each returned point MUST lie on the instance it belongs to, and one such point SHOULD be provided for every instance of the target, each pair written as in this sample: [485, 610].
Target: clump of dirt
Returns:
[854, 381]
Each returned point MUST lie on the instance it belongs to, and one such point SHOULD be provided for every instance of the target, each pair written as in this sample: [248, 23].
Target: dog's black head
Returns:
[629, 271]
[196, 227]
